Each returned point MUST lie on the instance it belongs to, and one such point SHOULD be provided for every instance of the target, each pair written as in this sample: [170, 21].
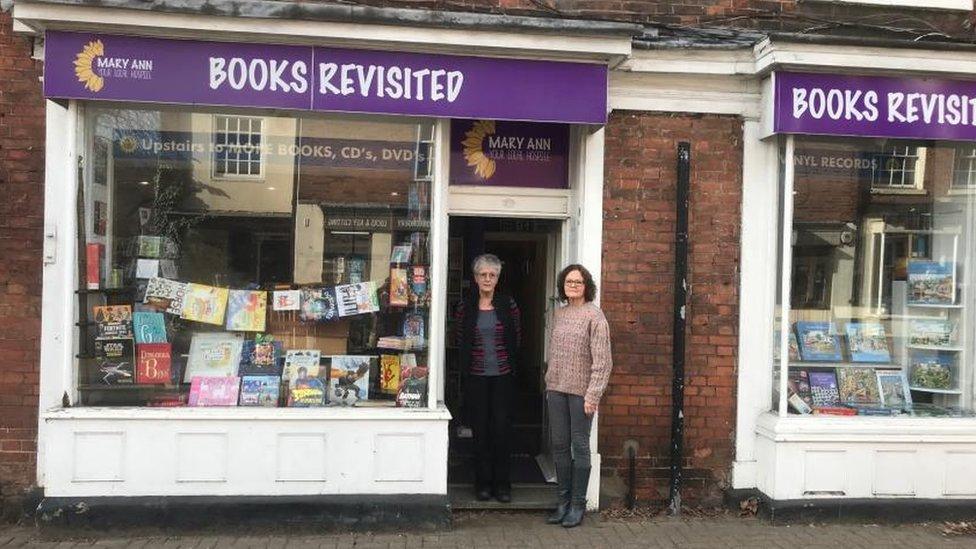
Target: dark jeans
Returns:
[490, 402]
[569, 430]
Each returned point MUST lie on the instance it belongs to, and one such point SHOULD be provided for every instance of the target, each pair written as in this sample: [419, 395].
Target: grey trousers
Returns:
[569, 430]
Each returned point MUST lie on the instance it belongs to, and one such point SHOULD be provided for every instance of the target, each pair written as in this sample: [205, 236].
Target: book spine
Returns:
[93, 265]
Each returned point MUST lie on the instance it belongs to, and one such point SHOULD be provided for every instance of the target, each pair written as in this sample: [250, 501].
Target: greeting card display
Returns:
[213, 354]
[247, 310]
[204, 303]
[286, 300]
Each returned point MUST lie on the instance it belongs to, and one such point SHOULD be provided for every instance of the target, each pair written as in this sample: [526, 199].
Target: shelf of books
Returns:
[164, 341]
[908, 362]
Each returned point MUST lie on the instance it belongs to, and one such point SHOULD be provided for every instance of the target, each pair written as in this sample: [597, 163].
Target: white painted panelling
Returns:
[99, 457]
[507, 202]
[960, 473]
[201, 457]
[894, 472]
[302, 457]
[398, 457]
[824, 473]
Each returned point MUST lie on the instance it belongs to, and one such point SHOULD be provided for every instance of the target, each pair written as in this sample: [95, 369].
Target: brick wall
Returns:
[21, 222]
[637, 295]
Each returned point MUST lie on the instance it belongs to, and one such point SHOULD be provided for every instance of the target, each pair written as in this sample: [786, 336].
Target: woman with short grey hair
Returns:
[488, 335]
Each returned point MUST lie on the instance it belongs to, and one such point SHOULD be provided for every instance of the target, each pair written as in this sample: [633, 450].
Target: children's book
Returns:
[260, 391]
[214, 391]
[389, 374]
[318, 305]
[149, 327]
[893, 386]
[286, 300]
[932, 369]
[794, 346]
[823, 388]
[205, 304]
[261, 356]
[931, 332]
[349, 379]
[401, 254]
[799, 398]
[818, 341]
[357, 299]
[213, 354]
[247, 310]
[154, 363]
[413, 387]
[114, 321]
[306, 386]
[413, 330]
[418, 285]
[165, 295]
[115, 360]
[858, 386]
[399, 288]
[867, 341]
[931, 283]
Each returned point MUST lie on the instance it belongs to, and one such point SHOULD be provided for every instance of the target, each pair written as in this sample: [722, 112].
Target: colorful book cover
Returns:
[115, 359]
[214, 391]
[931, 283]
[413, 388]
[399, 288]
[149, 246]
[213, 354]
[261, 356]
[149, 327]
[260, 391]
[893, 386]
[818, 341]
[389, 374]
[357, 299]
[114, 321]
[867, 342]
[413, 330]
[247, 310]
[418, 284]
[166, 295]
[153, 363]
[823, 388]
[306, 387]
[794, 346]
[357, 269]
[858, 386]
[286, 300]
[932, 369]
[349, 379]
[932, 332]
[401, 254]
[798, 385]
[318, 305]
[205, 304]
[93, 265]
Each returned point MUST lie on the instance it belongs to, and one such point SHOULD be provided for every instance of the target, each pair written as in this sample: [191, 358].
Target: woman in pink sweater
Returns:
[579, 367]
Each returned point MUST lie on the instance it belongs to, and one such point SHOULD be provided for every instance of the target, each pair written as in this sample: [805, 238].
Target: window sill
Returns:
[248, 414]
[961, 192]
[913, 192]
[801, 429]
[958, 5]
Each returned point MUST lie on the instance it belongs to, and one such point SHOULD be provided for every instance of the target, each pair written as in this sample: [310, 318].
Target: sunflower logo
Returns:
[83, 65]
[128, 144]
[474, 153]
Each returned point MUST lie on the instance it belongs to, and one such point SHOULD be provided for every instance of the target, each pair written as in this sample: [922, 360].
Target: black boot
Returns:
[581, 479]
[564, 483]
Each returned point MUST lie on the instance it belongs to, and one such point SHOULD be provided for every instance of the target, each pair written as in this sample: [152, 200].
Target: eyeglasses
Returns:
[488, 275]
[574, 282]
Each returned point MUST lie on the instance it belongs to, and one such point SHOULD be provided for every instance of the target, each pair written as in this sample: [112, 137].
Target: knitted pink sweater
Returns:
[579, 352]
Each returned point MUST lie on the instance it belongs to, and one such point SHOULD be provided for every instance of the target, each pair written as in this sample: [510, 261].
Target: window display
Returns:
[881, 241]
[254, 260]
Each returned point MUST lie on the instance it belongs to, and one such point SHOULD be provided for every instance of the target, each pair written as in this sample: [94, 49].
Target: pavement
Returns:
[527, 529]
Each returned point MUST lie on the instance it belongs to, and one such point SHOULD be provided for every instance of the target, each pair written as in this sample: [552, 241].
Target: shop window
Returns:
[964, 170]
[308, 290]
[237, 146]
[880, 311]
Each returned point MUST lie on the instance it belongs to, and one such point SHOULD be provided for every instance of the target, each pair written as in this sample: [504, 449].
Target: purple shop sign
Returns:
[509, 154]
[127, 68]
[875, 106]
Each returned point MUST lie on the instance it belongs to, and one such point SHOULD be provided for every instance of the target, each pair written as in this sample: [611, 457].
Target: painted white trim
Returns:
[508, 201]
[867, 429]
[958, 5]
[521, 43]
[438, 253]
[687, 93]
[691, 61]
[235, 414]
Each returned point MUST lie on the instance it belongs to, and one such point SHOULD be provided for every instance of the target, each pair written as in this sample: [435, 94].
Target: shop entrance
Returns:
[528, 249]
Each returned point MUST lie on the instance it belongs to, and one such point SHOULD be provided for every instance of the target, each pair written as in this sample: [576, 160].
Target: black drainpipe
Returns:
[678, 332]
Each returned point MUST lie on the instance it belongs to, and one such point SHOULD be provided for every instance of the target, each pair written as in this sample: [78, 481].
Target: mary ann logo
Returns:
[93, 67]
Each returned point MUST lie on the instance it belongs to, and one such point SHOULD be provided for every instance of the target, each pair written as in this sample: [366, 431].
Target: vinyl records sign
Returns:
[509, 154]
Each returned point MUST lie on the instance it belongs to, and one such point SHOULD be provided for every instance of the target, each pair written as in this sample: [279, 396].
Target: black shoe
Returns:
[564, 492]
[574, 517]
[581, 479]
[503, 496]
[559, 514]
[482, 494]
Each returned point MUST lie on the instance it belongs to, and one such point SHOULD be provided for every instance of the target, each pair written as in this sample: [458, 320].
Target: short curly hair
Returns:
[589, 287]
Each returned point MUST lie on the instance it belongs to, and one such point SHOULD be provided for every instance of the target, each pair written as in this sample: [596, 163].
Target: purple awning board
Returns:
[875, 106]
[154, 70]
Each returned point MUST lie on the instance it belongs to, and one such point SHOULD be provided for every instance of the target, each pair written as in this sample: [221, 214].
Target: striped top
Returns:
[465, 317]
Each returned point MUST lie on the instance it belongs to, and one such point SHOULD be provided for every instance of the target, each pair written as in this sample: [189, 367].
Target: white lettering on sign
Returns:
[393, 82]
[900, 107]
[835, 104]
[259, 74]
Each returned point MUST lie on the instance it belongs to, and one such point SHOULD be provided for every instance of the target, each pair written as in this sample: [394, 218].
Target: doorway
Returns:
[528, 249]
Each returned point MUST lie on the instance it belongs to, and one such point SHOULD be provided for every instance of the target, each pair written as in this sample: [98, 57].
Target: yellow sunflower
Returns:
[474, 154]
[83, 65]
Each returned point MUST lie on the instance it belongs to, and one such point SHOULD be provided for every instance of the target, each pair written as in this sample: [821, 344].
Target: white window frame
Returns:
[959, 5]
[967, 153]
[913, 184]
[238, 162]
